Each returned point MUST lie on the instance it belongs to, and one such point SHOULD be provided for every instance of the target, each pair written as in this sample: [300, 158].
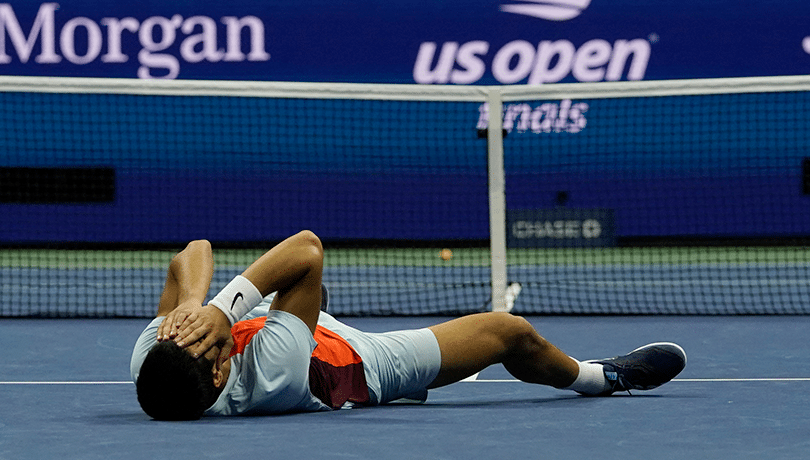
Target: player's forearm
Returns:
[193, 268]
[286, 263]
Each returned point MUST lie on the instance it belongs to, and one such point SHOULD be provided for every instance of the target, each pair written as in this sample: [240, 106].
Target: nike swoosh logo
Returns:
[235, 298]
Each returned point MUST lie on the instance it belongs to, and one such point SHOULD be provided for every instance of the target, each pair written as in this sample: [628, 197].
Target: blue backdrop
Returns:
[706, 166]
[249, 169]
[470, 41]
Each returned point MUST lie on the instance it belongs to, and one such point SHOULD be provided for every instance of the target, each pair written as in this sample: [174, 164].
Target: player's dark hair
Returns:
[173, 385]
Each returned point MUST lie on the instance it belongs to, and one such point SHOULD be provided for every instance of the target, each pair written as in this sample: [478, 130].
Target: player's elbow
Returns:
[201, 245]
[310, 248]
[192, 249]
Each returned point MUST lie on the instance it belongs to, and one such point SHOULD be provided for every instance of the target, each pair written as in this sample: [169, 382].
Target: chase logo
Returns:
[553, 10]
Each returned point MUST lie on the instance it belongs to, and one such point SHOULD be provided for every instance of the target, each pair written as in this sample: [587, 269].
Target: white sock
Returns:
[591, 379]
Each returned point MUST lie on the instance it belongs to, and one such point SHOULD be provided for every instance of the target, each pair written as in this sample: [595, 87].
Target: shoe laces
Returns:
[619, 383]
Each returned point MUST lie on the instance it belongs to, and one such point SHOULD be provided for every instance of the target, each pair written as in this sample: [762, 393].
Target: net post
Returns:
[497, 199]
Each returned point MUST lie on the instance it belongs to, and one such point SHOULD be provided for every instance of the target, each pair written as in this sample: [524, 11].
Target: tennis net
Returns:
[683, 197]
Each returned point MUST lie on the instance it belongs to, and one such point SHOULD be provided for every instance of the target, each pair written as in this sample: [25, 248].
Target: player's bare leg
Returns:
[472, 343]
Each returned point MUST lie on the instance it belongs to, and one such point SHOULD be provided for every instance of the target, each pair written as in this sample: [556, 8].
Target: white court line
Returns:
[473, 378]
[765, 379]
[63, 383]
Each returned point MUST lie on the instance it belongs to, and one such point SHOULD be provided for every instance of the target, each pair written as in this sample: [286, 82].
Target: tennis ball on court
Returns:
[446, 254]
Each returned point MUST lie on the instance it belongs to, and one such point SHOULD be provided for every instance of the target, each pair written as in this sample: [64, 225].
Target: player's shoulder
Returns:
[283, 331]
[146, 340]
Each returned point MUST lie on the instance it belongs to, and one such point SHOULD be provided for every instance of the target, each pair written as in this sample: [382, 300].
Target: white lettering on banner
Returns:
[43, 24]
[546, 117]
[558, 229]
[547, 62]
[200, 42]
[553, 10]
[806, 45]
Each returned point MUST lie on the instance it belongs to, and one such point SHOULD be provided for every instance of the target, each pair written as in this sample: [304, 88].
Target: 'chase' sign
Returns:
[560, 227]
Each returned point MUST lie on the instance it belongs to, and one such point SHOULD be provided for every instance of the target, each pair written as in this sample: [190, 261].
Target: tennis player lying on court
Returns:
[242, 355]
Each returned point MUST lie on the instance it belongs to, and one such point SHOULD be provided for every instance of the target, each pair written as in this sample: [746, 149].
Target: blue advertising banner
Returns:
[653, 162]
[164, 167]
[437, 42]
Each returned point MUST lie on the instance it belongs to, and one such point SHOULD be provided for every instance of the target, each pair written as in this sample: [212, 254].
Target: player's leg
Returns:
[471, 343]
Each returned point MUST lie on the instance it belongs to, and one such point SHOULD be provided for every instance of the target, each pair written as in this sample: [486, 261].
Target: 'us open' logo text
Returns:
[534, 62]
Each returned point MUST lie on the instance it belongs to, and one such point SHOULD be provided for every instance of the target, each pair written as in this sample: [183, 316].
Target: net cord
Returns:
[403, 92]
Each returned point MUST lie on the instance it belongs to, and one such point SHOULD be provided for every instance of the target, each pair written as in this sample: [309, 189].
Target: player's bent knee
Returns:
[514, 330]
[511, 323]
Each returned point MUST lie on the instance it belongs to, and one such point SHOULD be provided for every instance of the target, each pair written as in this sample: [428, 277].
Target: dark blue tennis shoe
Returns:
[644, 368]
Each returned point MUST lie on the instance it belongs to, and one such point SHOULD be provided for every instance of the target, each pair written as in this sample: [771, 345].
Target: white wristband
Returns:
[237, 298]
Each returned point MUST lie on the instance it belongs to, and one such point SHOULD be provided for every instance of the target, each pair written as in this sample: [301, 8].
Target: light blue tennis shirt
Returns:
[271, 375]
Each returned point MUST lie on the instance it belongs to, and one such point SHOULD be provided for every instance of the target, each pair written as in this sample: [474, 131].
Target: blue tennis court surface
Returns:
[744, 394]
